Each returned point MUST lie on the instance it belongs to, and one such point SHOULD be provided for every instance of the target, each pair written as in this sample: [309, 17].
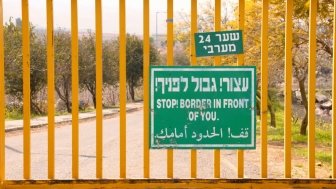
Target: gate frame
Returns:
[174, 183]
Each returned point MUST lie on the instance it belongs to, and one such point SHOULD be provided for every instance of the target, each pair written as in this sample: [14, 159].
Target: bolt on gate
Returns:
[170, 182]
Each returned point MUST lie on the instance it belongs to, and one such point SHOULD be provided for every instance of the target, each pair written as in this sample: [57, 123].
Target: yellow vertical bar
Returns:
[288, 88]
[122, 75]
[240, 153]
[170, 62]
[146, 54]
[26, 88]
[241, 27]
[193, 30]
[170, 30]
[74, 70]
[2, 98]
[217, 62]
[218, 26]
[334, 99]
[51, 87]
[193, 60]
[264, 86]
[99, 91]
[312, 87]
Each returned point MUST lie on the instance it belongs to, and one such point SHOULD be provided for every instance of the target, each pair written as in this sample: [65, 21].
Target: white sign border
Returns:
[191, 69]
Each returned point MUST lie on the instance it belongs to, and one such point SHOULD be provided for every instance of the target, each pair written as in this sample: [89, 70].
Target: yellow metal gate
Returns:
[147, 181]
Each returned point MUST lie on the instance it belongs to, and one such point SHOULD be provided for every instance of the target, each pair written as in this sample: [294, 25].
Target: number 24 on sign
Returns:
[221, 37]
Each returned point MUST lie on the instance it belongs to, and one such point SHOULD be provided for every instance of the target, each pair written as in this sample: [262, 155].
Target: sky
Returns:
[86, 14]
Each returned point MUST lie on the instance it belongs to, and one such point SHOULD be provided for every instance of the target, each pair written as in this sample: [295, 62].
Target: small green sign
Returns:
[219, 43]
[202, 107]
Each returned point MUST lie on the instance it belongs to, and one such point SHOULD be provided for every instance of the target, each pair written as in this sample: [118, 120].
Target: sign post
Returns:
[203, 107]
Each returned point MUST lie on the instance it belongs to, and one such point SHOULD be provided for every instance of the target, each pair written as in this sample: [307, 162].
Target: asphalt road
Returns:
[14, 155]
[39, 158]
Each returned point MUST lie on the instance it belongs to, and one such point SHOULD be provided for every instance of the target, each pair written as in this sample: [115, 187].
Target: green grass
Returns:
[87, 110]
[323, 137]
[17, 115]
[322, 130]
[61, 113]
[80, 111]
[13, 115]
[300, 151]
[322, 155]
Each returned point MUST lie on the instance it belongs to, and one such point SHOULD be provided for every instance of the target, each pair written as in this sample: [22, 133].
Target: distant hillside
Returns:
[106, 36]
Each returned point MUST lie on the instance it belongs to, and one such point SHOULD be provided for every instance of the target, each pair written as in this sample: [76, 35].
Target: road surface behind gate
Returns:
[87, 159]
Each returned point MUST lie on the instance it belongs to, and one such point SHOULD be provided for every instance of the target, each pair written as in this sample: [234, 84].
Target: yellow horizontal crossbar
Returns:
[174, 183]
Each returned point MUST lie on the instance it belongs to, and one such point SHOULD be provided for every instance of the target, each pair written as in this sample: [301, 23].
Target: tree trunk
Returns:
[64, 87]
[94, 101]
[68, 105]
[269, 107]
[92, 89]
[131, 91]
[304, 124]
[271, 110]
[113, 98]
[35, 108]
[67, 102]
